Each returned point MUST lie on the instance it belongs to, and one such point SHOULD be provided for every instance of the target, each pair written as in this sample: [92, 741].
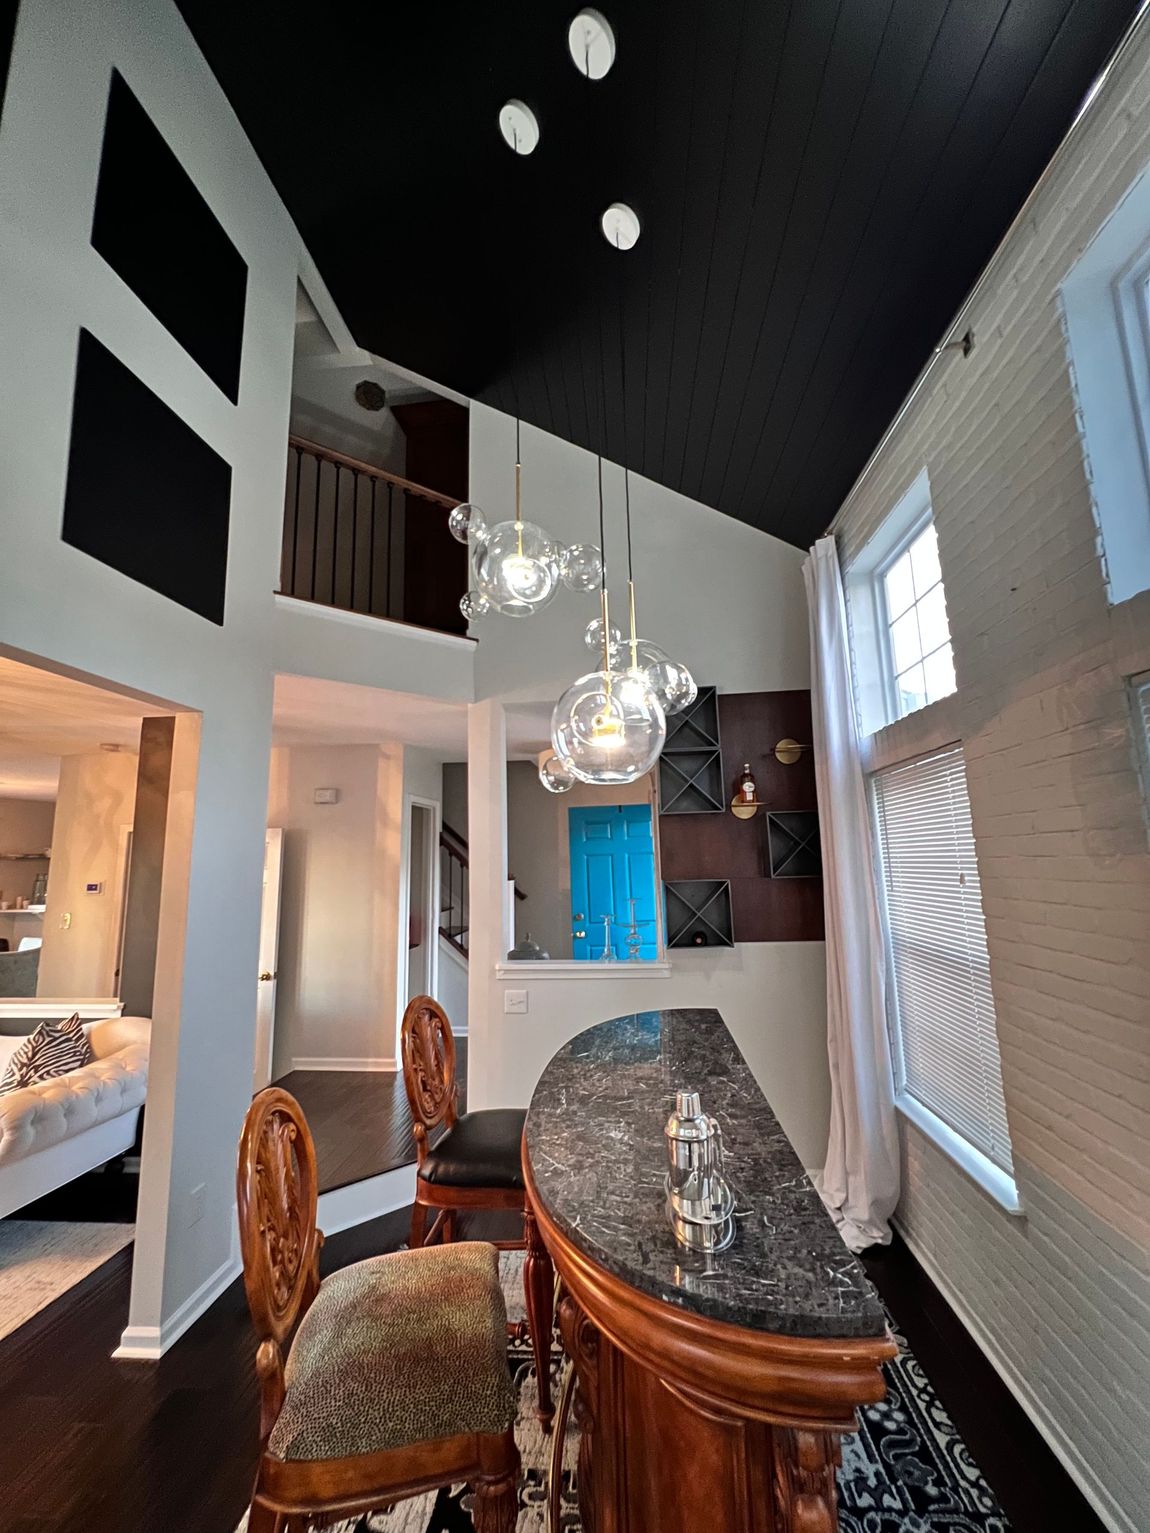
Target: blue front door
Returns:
[612, 862]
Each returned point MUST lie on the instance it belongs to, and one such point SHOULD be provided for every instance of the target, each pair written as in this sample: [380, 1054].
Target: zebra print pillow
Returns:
[53, 1049]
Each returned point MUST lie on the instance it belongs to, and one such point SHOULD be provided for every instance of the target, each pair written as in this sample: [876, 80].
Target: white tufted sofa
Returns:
[60, 1128]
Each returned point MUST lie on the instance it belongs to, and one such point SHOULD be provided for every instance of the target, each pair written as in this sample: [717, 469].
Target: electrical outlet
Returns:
[514, 1002]
[196, 1203]
[65, 920]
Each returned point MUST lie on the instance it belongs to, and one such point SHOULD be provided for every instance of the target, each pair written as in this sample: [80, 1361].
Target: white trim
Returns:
[1095, 1490]
[993, 1180]
[1104, 320]
[146, 1343]
[375, 624]
[358, 1202]
[336, 1210]
[411, 802]
[307, 1062]
[588, 969]
[37, 1010]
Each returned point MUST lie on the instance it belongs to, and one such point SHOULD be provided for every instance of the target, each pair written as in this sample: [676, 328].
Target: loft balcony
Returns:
[360, 539]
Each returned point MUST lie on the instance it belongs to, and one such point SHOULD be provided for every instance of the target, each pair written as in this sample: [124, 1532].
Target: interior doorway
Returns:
[420, 901]
[269, 958]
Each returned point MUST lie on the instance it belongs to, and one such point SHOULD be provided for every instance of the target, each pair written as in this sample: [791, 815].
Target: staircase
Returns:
[455, 890]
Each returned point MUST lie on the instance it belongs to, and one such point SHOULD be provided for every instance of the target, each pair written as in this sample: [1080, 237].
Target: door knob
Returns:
[578, 934]
[267, 975]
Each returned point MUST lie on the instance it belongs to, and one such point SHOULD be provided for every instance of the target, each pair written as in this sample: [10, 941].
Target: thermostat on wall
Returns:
[327, 795]
[94, 888]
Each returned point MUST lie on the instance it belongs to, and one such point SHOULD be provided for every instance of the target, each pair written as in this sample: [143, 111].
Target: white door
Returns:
[269, 956]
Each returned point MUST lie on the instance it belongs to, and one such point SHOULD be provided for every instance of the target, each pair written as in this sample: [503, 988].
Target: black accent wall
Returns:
[145, 494]
[155, 230]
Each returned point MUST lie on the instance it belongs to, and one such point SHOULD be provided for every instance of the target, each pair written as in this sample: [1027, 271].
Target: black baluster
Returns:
[388, 608]
[354, 531]
[371, 556]
[295, 522]
[335, 531]
[315, 527]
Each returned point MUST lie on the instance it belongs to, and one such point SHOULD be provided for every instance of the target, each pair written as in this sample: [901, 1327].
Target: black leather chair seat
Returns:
[481, 1149]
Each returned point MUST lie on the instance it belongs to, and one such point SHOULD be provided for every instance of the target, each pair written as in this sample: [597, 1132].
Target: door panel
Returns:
[269, 957]
[612, 862]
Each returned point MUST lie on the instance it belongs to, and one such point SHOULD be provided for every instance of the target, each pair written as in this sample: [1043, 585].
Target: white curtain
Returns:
[860, 1180]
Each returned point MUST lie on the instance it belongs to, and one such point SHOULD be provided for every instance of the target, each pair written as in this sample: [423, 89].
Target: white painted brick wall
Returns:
[1060, 1299]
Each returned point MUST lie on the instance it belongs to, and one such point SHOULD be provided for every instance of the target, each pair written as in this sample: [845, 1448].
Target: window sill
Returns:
[998, 1184]
[591, 968]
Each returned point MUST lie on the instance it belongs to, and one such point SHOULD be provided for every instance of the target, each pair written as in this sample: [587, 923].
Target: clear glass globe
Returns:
[557, 775]
[517, 568]
[474, 605]
[687, 692]
[581, 567]
[467, 522]
[593, 637]
[671, 682]
[610, 726]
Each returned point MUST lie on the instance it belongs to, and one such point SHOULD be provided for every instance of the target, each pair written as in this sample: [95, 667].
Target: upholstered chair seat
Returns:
[480, 1149]
[437, 1316]
[388, 1378]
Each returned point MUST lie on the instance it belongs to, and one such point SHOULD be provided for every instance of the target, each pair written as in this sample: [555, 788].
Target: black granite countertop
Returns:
[595, 1143]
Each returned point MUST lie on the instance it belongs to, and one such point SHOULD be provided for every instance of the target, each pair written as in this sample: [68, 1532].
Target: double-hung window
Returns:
[948, 1072]
[899, 625]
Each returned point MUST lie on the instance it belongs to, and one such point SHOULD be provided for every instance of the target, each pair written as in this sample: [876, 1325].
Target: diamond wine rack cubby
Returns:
[699, 913]
[691, 766]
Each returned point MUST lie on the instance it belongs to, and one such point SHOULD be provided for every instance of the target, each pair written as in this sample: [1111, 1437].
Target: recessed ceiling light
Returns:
[592, 43]
[620, 226]
[519, 126]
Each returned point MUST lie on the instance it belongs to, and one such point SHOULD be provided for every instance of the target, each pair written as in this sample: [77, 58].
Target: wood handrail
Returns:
[455, 846]
[341, 458]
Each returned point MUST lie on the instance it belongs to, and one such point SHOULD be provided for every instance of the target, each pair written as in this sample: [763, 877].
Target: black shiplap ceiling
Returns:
[819, 181]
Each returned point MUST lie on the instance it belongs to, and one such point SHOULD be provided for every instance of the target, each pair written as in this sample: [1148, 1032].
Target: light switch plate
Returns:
[514, 1002]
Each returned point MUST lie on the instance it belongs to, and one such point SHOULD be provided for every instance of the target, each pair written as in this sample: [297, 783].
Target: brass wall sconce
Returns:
[789, 751]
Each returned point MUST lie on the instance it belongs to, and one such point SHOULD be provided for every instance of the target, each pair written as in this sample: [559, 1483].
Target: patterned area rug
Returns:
[40, 1259]
[905, 1471]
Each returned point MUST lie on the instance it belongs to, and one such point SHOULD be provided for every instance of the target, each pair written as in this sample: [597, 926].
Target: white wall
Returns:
[1060, 1299]
[73, 612]
[723, 597]
[339, 860]
[729, 601]
[95, 803]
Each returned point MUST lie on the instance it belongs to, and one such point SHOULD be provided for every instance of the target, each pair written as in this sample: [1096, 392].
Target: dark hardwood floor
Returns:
[1036, 1493]
[88, 1445]
[359, 1119]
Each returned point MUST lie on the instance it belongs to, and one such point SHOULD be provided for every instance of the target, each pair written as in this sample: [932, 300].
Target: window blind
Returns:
[946, 1045]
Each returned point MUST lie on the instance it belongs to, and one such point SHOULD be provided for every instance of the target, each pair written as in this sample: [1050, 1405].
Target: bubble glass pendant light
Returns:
[609, 724]
[557, 775]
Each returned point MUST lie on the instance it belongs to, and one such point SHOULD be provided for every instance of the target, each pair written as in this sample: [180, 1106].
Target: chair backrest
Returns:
[279, 1242]
[428, 1050]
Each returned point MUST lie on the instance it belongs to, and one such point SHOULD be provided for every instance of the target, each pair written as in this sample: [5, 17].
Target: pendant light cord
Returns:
[518, 491]
[626, 470]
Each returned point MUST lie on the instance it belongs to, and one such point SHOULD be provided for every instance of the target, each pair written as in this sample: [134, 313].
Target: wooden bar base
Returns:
[687, 1423]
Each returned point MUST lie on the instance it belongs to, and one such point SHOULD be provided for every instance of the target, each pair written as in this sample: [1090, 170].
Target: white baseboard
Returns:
[1052, 1434]
[338, 1210]
[329, 1063]
[360, 1201]
[146, 1343]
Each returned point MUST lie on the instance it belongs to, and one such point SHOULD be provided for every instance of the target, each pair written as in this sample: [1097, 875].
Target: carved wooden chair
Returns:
[396, 1381]
[477, 1162]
